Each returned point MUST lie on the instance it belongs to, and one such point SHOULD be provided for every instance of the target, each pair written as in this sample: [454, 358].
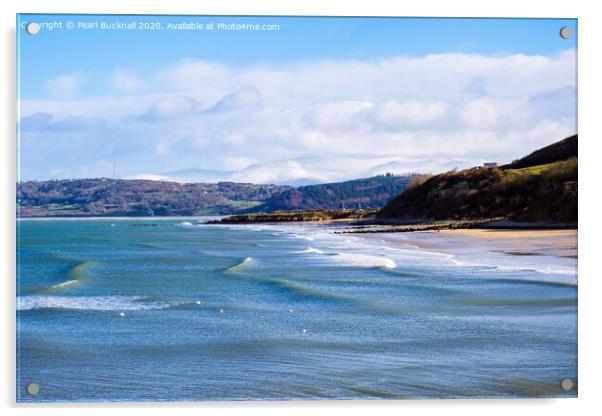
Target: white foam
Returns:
[247, 261]
[65, 284]
[302, 237]
[311, 250]
[538, 269]
[186, 224]
[367, 252]
[92, 303]
[363, 260]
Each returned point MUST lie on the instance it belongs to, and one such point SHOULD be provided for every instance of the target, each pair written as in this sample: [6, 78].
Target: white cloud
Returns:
[126, 81]
[170, 107]
[480, 113]
[465, 107]
[149, 177]
[65, 86]
[237, 163]
[334, 115]
[397, 114]
[162, 148]
[242, 99]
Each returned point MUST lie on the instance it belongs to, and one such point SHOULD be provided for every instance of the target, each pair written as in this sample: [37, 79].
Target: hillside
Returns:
[561, 150]
[115, 197]
[366, 193]
[132, 197]
[541, 187]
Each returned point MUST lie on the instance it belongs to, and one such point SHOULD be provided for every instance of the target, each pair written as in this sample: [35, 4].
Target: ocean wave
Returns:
[308, 292]
[186, 224]
[91, 303]
[65, 284]
[77, 274]
[537, 269]
[244, 263]
[301, 237]
[364, 260]
[310, 250]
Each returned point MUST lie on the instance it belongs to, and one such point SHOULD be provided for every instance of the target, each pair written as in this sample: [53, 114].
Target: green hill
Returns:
[365, 193]
[541, 187]
[561, 150]
[121, 197]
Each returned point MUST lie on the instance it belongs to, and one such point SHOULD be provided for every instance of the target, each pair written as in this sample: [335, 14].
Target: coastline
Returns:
[121, 218]
[549, 252]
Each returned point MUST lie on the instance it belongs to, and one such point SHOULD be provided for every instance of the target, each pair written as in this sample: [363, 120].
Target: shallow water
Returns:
[149, 310]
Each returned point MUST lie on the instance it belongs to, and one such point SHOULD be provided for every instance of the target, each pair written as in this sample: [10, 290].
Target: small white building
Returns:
[488, 165]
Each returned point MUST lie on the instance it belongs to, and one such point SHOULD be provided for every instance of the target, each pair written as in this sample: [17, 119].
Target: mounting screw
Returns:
[32, 28]
[565, 32]
[567, 384]
[32, 389]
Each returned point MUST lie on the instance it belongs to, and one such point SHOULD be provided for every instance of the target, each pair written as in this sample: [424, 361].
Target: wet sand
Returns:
[551, 251]
[562, 243]
[497, 233]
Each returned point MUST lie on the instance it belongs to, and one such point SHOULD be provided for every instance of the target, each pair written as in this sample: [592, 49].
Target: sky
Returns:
[310, 100]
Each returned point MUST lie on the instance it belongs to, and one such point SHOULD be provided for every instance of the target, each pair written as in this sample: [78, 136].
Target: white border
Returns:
[590, 68]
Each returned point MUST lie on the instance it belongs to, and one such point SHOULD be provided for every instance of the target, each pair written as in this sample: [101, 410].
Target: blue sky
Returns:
[425, 91]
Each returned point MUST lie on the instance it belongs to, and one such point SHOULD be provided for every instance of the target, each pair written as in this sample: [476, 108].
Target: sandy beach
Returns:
[561, 243]
[512, 242]
[497, 233]
[548, 251]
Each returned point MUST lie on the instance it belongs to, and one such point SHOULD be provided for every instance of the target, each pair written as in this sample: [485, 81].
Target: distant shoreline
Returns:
[366, 225]
[363, 222]
[116, 218]
[457, 225]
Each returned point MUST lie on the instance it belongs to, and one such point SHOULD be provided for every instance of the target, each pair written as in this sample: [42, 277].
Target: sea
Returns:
[129, 309]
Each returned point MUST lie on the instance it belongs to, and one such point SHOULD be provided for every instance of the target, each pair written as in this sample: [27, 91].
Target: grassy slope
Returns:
[525, 190]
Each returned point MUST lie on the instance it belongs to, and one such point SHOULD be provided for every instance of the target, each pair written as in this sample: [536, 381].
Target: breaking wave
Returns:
[247, 261]
[90, 303]
[65, 284]
[77, 274]
[311, 250]
[363, 260]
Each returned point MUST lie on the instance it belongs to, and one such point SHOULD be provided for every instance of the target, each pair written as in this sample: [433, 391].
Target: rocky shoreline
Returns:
[491, 224]
[298, 216]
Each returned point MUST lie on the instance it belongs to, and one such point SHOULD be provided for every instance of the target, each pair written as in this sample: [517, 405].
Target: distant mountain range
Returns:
[541, 187]
[307, 170]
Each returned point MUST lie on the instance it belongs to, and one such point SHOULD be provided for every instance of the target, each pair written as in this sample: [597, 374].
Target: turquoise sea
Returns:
[173, 309]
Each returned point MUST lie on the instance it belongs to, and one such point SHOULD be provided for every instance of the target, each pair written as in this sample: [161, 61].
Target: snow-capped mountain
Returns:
[309, 170]
[281, 172]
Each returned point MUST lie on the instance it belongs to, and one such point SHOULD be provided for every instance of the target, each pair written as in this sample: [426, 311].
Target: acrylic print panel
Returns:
[258, 208]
